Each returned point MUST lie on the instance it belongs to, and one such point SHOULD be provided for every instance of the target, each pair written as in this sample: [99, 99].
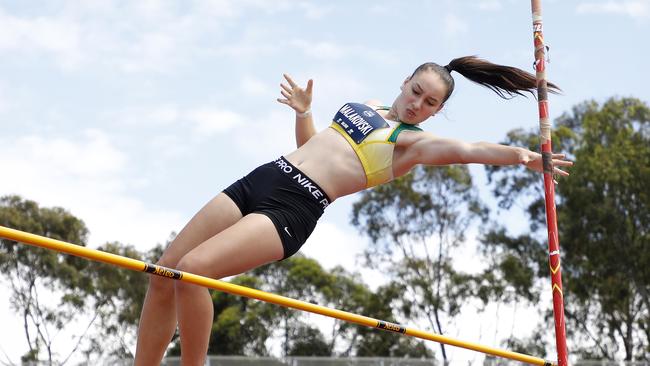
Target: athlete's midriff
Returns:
[329, 160]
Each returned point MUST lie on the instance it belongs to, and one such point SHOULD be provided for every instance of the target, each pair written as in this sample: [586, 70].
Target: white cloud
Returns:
[328, 85]
[333, 246]
[379, 9]
[454, 26]
[148, 116]
[267, 137]
[319, 50]
[211, 121]
[150, 52]
[315, 10]
[94, 157]
[233, 8]
[489, 5]
[85, 176]
[163, 115]
[5, 103]
[326, 239]
[147, 36]
[142, 36]
[154, 10]
[53, 36]
[639, 9]
[168, 146]
[253, 86]
[245, 50]
[203, 121]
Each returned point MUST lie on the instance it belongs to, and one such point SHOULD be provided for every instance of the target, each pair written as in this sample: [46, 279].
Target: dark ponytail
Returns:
[506, 81]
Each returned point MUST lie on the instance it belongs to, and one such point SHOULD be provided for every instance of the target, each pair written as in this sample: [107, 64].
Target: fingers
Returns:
[286, 88]
[560, 172]
[289, 80]
[293, 93]
[562, 162]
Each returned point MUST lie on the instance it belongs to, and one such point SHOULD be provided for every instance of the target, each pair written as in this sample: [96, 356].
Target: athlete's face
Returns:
[421, 97]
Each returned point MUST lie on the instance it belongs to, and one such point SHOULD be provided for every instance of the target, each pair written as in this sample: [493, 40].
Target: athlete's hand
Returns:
[534, 162]
[296, 97]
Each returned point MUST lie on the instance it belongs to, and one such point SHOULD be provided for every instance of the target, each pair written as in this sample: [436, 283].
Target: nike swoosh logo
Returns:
[286, 229]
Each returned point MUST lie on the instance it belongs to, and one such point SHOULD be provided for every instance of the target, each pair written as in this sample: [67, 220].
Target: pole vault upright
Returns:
[549, 188]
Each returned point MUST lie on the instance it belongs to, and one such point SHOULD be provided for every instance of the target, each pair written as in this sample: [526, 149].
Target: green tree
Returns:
[53, 292]
[243, 326]
[603, 217]
[300, 278]
[308, 340]
[35, 274]
[385, 304]
[118, 296]
[346, 291]
[414, 223]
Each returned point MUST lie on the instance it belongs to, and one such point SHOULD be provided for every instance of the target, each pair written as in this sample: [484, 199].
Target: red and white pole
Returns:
[549, 188]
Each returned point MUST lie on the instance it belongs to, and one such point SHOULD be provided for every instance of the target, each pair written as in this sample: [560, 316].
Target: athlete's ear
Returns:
[404, 83]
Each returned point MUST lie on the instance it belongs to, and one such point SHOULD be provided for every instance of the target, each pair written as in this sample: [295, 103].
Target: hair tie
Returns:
[448, 68]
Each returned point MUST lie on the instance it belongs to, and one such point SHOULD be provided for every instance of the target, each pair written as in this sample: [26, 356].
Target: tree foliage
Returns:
[57, 294]
[414, 223]
[245, 327]
[603, 217]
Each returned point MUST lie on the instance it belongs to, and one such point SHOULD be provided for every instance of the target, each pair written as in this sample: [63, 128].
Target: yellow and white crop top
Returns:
[372, 137]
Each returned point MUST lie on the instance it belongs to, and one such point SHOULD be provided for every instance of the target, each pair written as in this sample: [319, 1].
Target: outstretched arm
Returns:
[300, 100]
[431, 150]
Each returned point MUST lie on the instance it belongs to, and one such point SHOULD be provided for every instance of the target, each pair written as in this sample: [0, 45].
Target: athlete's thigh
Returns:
[217, 215]
[251, 242]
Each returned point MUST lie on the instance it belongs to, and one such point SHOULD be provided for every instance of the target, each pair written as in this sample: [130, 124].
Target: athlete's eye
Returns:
[416, 92]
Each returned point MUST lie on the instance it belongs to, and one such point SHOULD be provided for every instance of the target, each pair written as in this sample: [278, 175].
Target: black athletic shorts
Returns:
[284, 194]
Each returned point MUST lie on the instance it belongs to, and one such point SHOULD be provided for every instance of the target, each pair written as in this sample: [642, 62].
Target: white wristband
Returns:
[304, 114]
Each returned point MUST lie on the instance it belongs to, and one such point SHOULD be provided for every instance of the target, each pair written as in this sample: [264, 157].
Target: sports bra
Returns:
[372, 137]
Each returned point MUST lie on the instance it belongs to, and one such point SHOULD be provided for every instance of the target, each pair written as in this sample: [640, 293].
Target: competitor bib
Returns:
[358, 121]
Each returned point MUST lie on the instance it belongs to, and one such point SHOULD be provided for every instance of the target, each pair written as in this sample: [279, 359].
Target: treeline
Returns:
[415, 225]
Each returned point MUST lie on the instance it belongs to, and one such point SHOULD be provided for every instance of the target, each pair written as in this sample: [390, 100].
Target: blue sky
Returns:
[132, 114]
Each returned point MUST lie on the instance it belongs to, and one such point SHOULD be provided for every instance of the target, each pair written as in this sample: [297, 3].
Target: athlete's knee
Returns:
[166, 260]
[187, 264]
[190, 263]
[162, 284]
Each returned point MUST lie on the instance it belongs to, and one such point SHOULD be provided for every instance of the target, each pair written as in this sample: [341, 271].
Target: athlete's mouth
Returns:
[410, 113]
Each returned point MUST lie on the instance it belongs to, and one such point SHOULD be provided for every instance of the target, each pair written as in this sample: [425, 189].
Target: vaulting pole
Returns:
[136, 265]
[549, 188]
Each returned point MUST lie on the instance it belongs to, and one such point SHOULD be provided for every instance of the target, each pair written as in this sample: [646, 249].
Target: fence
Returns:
[354, 361]
[374, 361]
[504, 362]
[305, 361]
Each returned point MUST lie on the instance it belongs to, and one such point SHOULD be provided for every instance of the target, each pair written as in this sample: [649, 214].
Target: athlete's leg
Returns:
[251, 242]
[158, 318]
